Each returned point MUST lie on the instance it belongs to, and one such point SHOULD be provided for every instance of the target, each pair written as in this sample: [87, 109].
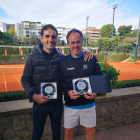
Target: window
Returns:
[27, 32]
[26, 29]
[20, 32]
[34, 26]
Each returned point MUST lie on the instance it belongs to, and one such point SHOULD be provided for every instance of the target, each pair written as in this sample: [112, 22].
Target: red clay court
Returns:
[10, 75]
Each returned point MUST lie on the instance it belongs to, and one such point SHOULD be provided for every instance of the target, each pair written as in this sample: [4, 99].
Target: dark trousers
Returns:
[40, 113]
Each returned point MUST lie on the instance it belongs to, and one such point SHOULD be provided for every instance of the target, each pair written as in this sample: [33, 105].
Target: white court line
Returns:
[11, 67]
[4, 82]
[15, 76]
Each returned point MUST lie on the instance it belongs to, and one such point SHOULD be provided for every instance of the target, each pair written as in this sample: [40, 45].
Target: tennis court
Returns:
[10, 75]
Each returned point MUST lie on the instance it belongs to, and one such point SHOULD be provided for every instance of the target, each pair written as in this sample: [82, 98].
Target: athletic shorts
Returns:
[87, 117]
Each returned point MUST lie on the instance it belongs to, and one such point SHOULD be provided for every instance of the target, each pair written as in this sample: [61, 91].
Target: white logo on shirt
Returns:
[85, 67]
[71, 68]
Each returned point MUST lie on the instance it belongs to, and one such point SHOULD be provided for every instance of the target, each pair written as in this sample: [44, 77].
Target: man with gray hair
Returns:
[78, 106]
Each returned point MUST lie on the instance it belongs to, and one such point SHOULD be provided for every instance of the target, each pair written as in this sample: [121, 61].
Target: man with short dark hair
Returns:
[41, 66]
[77, 106]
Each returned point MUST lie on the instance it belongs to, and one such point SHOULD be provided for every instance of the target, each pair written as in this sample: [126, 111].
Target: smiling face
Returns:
[49, 40]
[75, 44]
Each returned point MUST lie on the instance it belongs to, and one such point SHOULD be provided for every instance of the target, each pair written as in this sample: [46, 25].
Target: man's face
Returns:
[49, 40]
[75, 44]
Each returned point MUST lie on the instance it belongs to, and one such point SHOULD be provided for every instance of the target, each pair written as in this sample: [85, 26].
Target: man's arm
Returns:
[26, 83]
[87, 54]
[26, 78]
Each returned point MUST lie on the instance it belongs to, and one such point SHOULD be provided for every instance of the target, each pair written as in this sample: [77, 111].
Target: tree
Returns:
[11, 30]
[118, 38]
[34, 40]
[5, 38]
[25, 39]
[8, 26]
[15, 39]
[63, 43]
[90, 41]
[106, 31]
[106, 44]
[124, 30]
[134, 34]
[84, 40]
[124, 47]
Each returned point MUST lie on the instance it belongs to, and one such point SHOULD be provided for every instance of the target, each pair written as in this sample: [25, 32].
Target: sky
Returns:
[71, 12]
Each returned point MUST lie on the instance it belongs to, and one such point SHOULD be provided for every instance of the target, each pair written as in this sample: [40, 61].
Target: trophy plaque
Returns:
[82, 85]
[49, 90]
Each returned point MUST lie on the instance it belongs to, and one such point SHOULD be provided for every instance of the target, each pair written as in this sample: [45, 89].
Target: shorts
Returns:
[87, 117]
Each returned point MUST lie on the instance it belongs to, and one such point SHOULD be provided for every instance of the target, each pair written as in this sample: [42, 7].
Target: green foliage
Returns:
[66, 51]
[1, 51]
[8, 26]
[84, 40]
[118, 38]
[12, 51]
[63, 43]
[133, 34]
[138, 57]
[12, 95]
[26, 51]
[34, 40]
[124, 47]
[116, 58]
[129, 41]
[123, 30]
[5, 38]
[127, 83]
[12, 30]
[12, 59]
[109, 70]
[106, 44]
[106, 31]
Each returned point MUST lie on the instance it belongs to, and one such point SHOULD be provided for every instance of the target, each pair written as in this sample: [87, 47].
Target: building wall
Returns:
[28, 28]
[92, 32]
[3, 27]
[63, 29]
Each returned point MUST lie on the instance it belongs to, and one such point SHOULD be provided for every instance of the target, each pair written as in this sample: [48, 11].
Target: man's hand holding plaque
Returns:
[73, 94]
[90, 95]
[40, 99]
[49, 90]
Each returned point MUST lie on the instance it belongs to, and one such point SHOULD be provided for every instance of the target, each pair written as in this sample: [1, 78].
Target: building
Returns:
[3, 27]
[92, 32]
[28, 28]
[63, 29]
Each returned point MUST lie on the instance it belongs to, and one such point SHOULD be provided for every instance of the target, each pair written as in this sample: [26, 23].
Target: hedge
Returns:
[26, 51]
[127, 83]
[66, 51]
[12, 95]
[12, 51]
[20, 95]
[12, 59]
[2, 51]
[138, 57]
[116, 58]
